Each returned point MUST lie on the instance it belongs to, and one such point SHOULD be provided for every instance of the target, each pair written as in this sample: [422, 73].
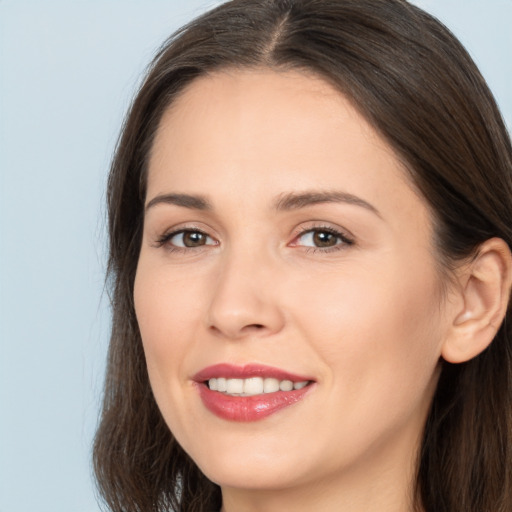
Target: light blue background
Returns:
[68, 70]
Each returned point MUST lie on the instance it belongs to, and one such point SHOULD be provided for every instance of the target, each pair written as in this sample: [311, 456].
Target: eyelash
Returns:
[341, 237]
[167, 237]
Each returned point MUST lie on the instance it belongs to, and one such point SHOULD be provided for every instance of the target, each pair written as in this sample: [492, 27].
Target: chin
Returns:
[249, 462]
[252, 475]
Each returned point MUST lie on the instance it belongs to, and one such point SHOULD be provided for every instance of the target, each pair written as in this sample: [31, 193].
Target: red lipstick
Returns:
[248, 408]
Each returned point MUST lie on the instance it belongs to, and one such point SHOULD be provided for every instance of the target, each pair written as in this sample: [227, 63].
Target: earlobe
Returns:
[485, 287]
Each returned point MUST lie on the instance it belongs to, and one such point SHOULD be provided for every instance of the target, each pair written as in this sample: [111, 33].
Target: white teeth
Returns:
[253, 385]
[270, 385]
[221, 384]
[286, 385]
[235, 386]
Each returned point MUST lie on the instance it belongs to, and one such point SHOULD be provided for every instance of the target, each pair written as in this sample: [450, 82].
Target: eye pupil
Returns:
[193, 239]
[324, 239]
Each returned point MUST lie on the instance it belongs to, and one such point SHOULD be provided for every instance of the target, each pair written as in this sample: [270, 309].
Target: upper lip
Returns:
[230, 371]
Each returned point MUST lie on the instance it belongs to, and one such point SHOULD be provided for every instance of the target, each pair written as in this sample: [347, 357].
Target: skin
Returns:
[367, 319]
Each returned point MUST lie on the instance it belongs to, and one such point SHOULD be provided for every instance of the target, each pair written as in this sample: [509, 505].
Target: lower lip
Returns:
[249, 408]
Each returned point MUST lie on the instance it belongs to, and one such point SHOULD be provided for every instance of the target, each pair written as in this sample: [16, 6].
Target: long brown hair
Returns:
[418, 87]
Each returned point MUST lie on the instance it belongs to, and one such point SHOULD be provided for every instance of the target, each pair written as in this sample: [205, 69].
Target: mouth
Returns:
[250, 392]
[253, 386]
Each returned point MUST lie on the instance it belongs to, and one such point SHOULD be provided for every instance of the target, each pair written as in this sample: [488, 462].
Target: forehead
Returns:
[255, 134]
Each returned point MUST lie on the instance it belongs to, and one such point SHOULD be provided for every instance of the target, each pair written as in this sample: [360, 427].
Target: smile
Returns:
[253, 386]
[251, 392]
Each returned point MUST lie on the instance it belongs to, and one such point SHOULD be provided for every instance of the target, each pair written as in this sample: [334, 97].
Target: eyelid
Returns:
[164, 239]
[346, 237]
[184, 232]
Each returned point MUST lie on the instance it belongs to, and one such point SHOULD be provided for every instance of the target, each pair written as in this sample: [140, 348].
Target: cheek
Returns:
[378, 334]
[168, 316]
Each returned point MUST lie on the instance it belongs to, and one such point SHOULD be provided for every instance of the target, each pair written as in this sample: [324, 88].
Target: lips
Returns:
[251, 392]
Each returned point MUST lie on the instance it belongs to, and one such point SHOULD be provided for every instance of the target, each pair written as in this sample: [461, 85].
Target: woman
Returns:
[310, 227]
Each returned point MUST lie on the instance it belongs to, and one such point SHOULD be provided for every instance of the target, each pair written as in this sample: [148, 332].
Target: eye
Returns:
[187, 239]
[322, 238]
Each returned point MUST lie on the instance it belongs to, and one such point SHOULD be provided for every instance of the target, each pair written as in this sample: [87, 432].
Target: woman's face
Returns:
[283, 245]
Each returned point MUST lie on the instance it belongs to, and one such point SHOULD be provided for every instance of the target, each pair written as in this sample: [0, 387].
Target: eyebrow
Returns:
[295, 201]
[285, 202]
[183, 200]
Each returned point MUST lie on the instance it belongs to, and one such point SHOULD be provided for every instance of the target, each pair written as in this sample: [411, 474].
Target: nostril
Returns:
[246, 329]
[252, 328]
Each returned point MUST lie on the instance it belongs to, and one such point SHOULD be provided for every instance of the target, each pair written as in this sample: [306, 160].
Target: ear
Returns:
[485, 284]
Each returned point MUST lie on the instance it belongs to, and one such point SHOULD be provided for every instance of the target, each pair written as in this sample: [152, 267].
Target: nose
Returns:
[244, 302]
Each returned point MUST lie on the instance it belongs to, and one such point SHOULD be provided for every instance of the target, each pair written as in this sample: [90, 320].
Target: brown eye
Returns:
[193, 238]
[324, 239]
[190, 239]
